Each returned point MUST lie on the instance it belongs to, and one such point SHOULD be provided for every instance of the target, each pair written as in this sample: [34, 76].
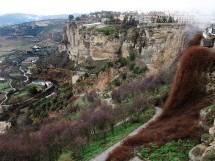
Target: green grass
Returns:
[34, 85]
[174, 150]
[16, 98]
[108, 30]
[4, 86]
[81, 102]
[98, 145]
[65, 157]
[15, 74]
[144, 117]
[74, 117]
[22, 94]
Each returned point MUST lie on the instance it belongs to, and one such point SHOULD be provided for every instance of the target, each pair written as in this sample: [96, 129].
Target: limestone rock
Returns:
[205, 151]
[158, 46]
[196, 153]
[4, 126]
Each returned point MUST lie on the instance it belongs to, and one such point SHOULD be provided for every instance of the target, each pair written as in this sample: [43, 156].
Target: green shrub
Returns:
[148, 113]
[32, 90]
[211, 157]
[205, 136]
[132, 56]
[122, 61]
[145, 152]
[86, 75]
[110, 64]
[65, 157]
[131, 66]
[90, 67]
[103, 68]
[174, 150]
[123, 76]
[117, 82]
[108, 30]
[138, 70]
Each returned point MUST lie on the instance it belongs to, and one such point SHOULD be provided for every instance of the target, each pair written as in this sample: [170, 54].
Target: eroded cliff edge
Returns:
[158, 45]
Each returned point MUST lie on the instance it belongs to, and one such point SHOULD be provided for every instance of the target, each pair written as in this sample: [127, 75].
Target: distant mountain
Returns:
[34, 28]
[24, 36]
[17, 18]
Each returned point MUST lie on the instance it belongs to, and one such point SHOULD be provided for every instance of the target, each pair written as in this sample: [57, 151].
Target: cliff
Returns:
[158, 45]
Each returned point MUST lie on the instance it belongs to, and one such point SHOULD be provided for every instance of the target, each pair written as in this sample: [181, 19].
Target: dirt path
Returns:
[11, 85]
[5, 94]
[24, 74]
[103, 156]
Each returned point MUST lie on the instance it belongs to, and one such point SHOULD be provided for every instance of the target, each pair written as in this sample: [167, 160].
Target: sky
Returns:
[52, 7]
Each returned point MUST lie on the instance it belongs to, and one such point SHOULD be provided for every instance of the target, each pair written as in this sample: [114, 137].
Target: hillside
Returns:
[18, 18]
[25, 36]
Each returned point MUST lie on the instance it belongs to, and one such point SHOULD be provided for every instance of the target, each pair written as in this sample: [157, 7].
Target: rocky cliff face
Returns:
[86, 41]
[158, 45]
[164, 45]
[206, 150]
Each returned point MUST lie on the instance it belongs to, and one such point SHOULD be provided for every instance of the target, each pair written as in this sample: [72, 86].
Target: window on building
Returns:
[213, 30]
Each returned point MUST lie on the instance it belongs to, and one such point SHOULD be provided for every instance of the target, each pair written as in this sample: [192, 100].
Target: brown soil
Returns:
[61, 76]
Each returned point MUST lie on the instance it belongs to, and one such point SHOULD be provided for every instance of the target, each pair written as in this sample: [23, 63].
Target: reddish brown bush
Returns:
[196, 40]
[180, 116]
[121, 153]
[189, 83]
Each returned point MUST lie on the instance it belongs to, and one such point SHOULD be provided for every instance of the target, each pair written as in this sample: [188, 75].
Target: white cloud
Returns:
[48, 7]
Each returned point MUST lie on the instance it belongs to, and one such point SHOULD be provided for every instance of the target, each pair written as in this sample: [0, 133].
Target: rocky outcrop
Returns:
[206, 150]
[105, 78]
[85, 41]
[164, 45]
[157, 45]
[4, 126]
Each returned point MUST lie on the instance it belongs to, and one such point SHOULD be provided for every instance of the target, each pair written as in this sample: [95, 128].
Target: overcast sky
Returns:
[50, 7]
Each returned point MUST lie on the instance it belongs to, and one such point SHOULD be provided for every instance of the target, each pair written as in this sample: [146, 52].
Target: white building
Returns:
[105, 20]
[184, 18]
[150, 17]
[43, 83]
[92, 24]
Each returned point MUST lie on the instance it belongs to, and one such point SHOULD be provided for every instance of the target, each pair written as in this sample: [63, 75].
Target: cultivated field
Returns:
[7, 46]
